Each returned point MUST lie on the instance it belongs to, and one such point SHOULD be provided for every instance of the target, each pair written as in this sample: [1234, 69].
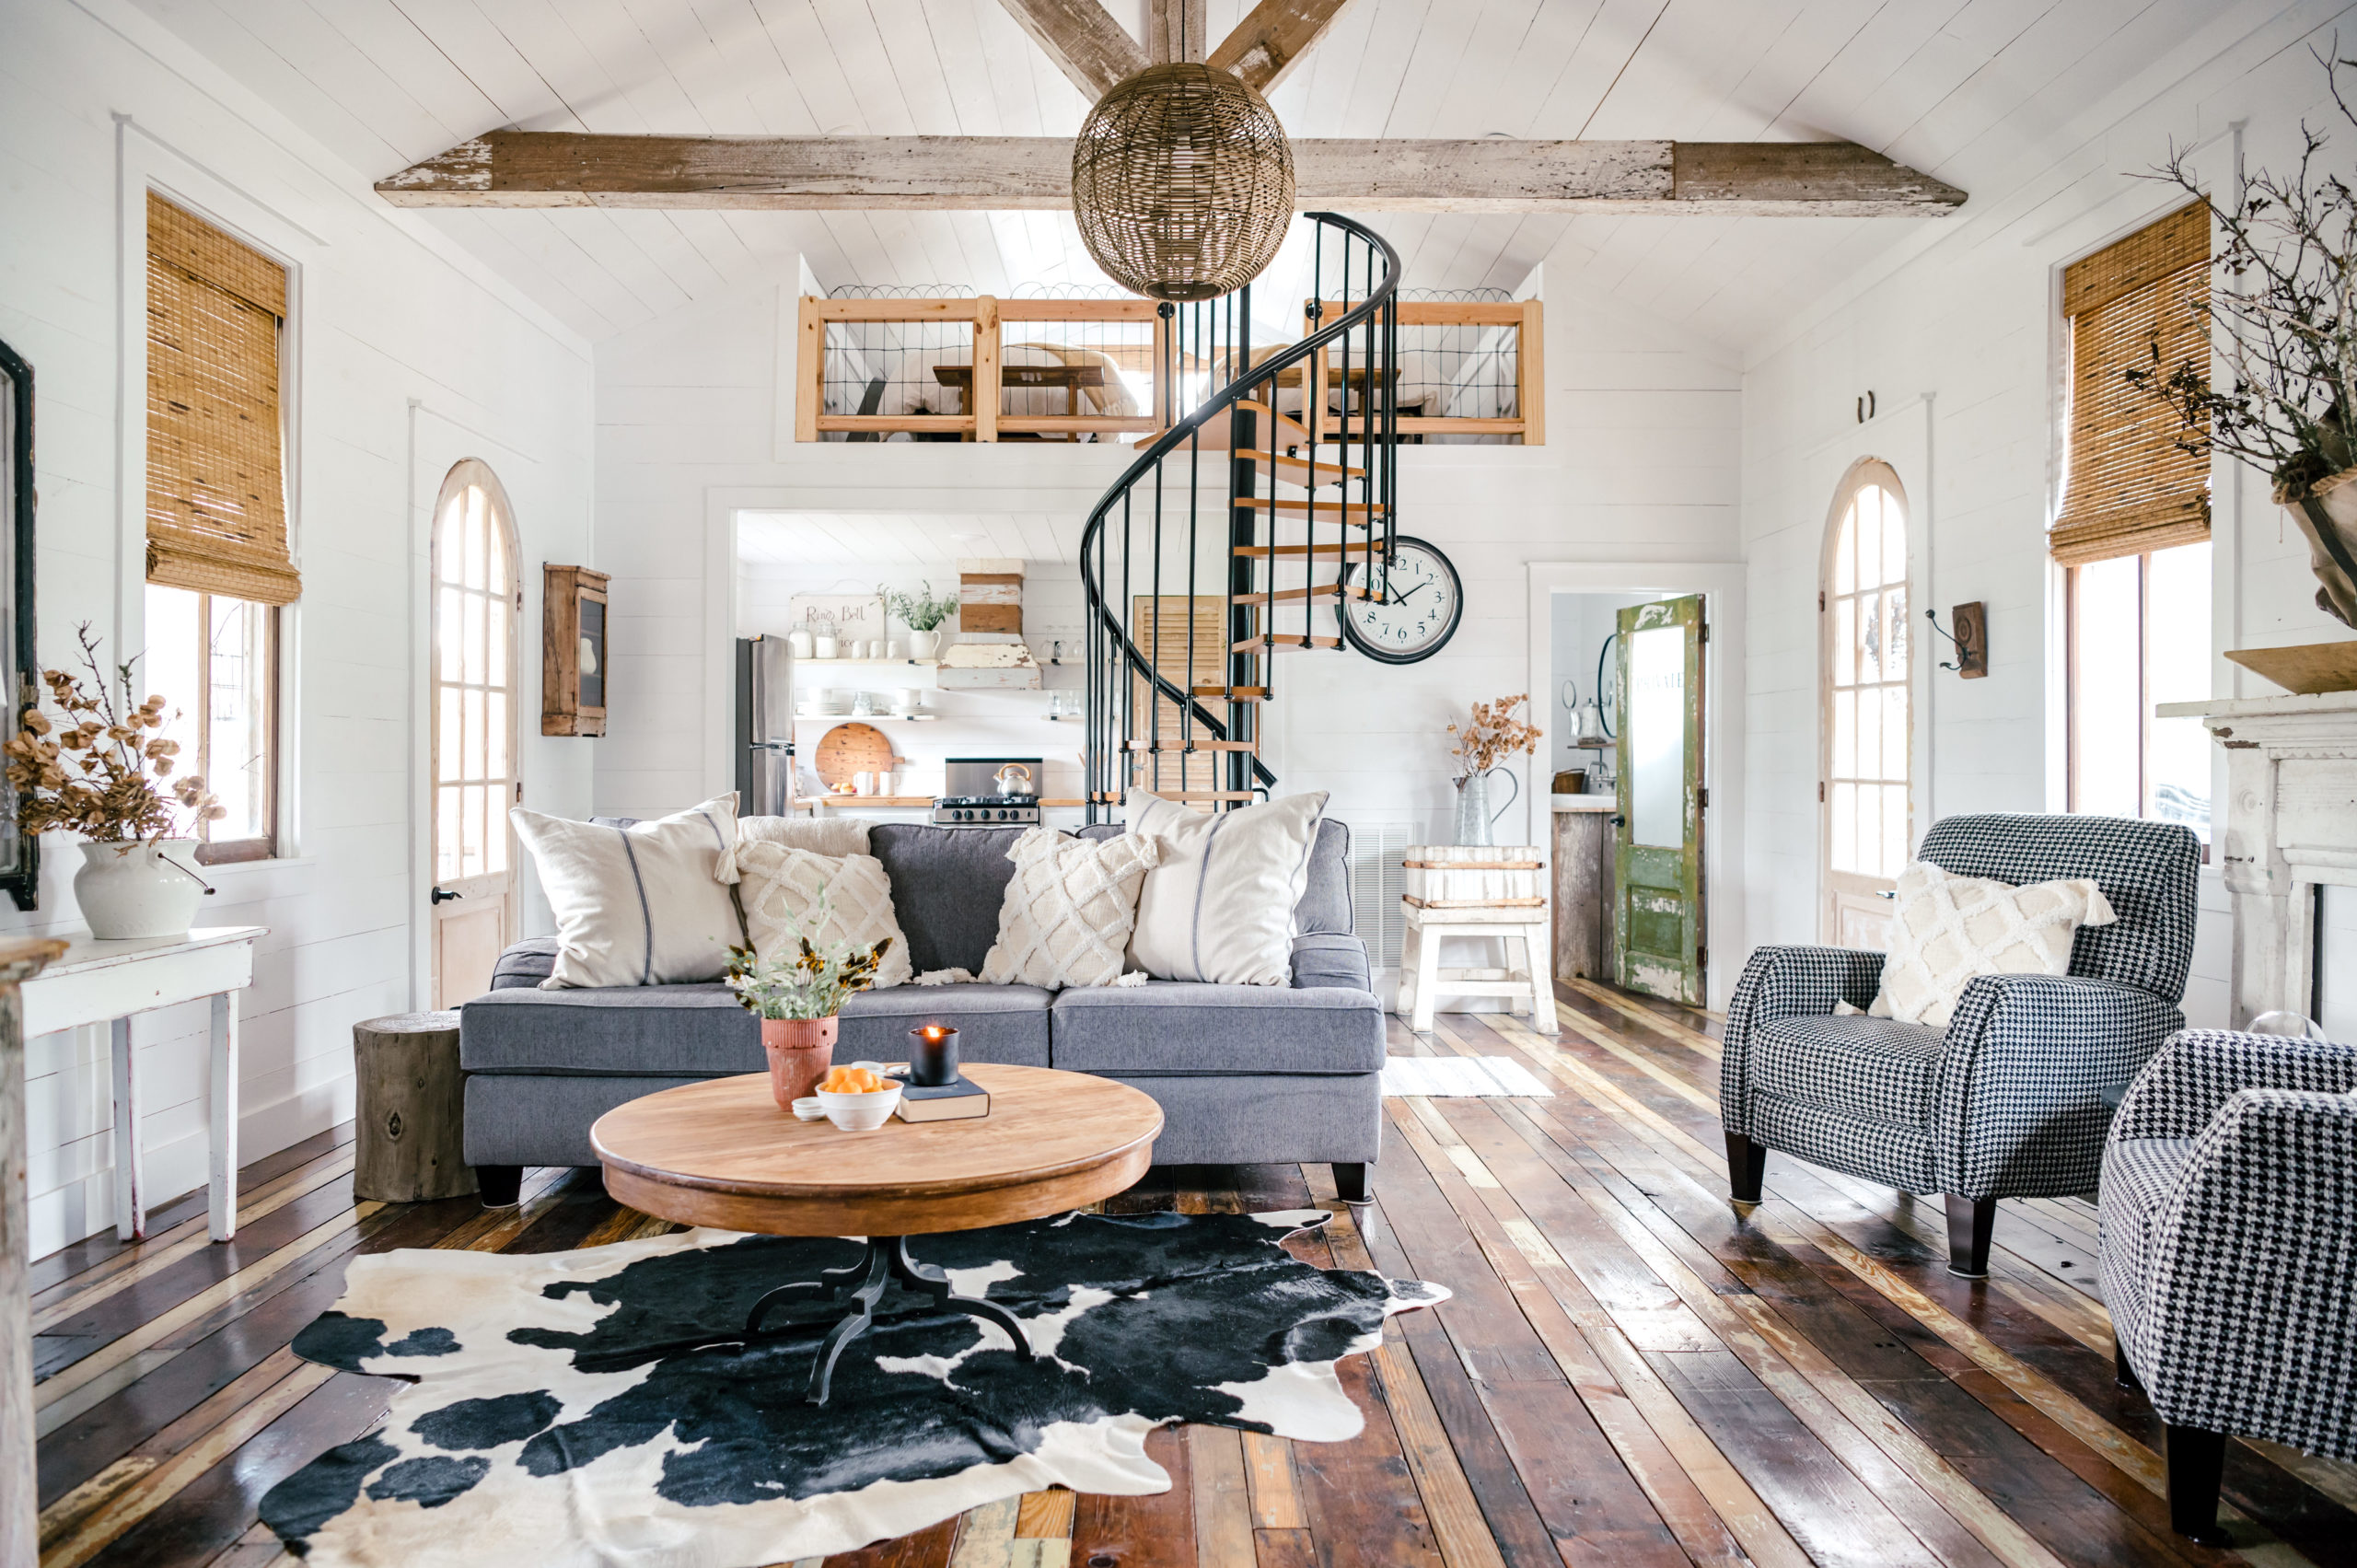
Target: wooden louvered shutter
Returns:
[216, 495]
[2129, 487]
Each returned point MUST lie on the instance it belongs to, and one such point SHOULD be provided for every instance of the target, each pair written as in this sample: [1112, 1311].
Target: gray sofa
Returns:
[1244, 1073]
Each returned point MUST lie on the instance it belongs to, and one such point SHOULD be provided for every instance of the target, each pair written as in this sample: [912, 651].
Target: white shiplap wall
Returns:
[412, 355]
[1968, 323]
[1640, 465]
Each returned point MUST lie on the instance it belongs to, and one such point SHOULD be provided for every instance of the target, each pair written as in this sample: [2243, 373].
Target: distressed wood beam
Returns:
[1266, 42]
[1084, 40]
[1174, 30]
[565, 169]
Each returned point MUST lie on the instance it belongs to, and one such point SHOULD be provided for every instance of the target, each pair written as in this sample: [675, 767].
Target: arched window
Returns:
[476, 602]
[1867, 722]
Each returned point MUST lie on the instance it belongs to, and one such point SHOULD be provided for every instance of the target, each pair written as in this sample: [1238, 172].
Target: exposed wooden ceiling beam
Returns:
[1084, 40]
[565, 169]
[1266, 42]
[1174, 30]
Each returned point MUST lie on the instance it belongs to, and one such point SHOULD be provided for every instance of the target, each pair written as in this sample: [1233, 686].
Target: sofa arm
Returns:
[2018, 1105]
[1330, 958]
[2197, 1070]
[528, 963]
[1785, 982]
[2250, 1319]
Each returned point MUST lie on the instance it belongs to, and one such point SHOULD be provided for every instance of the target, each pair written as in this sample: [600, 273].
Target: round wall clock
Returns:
[1415, 617]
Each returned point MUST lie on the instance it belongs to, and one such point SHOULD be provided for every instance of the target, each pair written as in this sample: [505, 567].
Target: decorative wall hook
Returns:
[1865, 407]
[1971, 637]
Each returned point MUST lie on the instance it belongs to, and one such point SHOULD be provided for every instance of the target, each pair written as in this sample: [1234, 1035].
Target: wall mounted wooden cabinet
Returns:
[573, 652]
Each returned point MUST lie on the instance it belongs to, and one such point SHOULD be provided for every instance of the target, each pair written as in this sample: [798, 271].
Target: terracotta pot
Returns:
[800, 1051]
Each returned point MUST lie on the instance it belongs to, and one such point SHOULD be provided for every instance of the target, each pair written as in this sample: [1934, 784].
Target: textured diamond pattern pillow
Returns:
[782, 885]
[1069, 910]
[1946, 930]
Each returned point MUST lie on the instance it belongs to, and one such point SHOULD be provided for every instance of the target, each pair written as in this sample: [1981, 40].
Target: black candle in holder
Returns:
[932, 1056]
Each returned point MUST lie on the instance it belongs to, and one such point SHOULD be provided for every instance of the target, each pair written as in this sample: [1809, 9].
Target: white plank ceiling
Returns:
[1973, 91]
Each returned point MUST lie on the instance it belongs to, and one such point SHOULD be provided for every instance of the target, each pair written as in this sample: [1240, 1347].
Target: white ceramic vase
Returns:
[924, 645]
[148, 887]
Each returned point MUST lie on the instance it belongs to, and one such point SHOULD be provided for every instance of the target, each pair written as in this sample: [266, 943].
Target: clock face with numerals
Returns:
[1414, 610]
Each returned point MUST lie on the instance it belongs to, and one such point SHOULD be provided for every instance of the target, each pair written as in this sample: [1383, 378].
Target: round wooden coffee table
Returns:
[722, 1153]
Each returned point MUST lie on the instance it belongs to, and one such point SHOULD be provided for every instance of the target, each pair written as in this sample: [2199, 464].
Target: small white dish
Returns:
[860, 1113]
[807, 1109]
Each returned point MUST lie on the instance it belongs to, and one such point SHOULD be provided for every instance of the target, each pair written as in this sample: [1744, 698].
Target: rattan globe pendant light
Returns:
[1182, 182]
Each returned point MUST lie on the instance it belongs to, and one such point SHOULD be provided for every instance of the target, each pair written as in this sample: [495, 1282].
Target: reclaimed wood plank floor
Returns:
[1630, 1372]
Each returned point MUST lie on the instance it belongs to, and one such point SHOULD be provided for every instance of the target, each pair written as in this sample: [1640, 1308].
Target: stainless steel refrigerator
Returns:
[764, 726]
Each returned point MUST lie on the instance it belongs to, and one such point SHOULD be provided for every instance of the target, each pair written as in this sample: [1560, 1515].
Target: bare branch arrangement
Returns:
[99, 770]
[1493, 734]
[2287, 301]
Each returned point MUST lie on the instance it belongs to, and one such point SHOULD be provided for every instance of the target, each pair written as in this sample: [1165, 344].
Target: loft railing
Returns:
[1197, 569]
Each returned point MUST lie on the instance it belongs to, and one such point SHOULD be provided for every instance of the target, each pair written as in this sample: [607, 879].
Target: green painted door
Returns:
[1657, 902]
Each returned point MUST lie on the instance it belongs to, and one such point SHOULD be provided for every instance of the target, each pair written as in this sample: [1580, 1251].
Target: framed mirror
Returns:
[19, 852]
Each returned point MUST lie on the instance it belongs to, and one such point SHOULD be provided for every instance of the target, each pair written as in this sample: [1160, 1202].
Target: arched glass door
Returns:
[1867, 722]
[476, 604]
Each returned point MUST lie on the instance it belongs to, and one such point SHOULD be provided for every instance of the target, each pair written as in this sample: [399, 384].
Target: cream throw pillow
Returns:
[781, 891]
[1068, 911]
[1219, 907]
[1946, 930]
[820, 835]
[636, 905]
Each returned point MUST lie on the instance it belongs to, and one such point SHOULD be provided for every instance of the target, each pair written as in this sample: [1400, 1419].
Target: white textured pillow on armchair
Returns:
[780, 890]
[1219, 908]
[636, 905]
[1948, 930]
[1068, 911]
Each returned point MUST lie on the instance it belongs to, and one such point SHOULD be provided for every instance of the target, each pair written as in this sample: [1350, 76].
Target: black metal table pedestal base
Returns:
[863, 1286]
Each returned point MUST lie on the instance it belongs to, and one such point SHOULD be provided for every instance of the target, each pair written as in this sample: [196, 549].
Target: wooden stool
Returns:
[413, 1109]
[1476, 890]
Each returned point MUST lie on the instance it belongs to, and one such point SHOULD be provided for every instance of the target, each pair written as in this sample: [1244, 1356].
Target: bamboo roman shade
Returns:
[216, 497]
[2129, 487]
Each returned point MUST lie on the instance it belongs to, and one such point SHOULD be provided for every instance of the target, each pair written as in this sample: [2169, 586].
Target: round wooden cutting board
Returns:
[852, 748]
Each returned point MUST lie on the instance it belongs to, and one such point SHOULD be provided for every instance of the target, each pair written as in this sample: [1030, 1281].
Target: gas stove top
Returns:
[984, 811]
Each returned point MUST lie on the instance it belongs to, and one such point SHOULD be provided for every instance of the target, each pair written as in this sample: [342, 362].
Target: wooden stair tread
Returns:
[1205, 795]
[1281, 640]
[1137, 749]
[1314, 474]
[1324, 508]
[1325, 594]
[1260, 552]
[1231, 693]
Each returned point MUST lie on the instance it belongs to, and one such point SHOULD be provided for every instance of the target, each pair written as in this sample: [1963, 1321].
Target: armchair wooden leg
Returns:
[1971, 1222]
[1746, 1168]
[2196, 1461]
[2121, 1373]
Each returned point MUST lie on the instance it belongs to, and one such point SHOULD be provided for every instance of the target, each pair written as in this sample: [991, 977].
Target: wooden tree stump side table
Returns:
[1497, 891]
[412, 1118]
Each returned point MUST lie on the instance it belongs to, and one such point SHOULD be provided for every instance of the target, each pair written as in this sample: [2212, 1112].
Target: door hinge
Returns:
[1701, 956]
[1820, 792]
[1820, 602]
[1702, 632]
[1703, 799]
[519, 791]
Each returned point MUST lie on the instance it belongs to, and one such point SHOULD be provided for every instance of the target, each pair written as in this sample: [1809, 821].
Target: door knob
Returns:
[440, 897]
[1618, 821]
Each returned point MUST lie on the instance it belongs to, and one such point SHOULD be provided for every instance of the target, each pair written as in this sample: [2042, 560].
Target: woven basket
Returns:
[1182, 182]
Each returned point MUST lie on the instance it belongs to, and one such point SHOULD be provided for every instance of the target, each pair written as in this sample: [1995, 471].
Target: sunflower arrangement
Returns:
[807, 980]
[1493, 734]
[100, 768]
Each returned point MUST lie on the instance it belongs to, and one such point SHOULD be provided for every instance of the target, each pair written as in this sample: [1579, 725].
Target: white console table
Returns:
[109, 982]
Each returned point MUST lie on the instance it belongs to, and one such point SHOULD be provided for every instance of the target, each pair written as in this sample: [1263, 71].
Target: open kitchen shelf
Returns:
[899, 802]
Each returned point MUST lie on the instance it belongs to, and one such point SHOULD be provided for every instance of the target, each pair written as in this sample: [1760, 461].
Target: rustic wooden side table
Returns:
[412, 1114]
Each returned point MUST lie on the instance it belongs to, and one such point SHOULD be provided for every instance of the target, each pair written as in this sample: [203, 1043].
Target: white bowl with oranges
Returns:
[857, 1099]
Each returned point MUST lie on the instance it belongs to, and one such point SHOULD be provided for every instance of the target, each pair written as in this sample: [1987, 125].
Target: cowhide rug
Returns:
[553, 1416]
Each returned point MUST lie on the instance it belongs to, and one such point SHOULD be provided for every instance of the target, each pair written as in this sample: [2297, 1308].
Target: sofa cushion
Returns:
[995, 1023]
[948, 884]
[529, 962]
[1326, 901]
[1852, 1064]
[1184, 1027]
[632, 1032]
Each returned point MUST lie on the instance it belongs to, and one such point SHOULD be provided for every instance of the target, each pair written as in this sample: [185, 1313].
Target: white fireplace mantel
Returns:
[2291, 826]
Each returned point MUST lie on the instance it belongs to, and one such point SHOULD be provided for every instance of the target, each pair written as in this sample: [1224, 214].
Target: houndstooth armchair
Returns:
[2010, 1100]
[2229, 1253]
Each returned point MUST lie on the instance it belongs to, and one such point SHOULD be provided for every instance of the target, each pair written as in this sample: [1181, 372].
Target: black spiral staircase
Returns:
[1219, 547]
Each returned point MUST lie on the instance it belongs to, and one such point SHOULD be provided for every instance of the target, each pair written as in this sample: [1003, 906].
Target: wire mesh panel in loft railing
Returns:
[1464, 371]
[905, 380]
[1077, 369]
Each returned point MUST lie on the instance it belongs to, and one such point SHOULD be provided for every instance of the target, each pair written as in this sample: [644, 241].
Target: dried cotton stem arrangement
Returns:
[99, 770]
[1492, 736]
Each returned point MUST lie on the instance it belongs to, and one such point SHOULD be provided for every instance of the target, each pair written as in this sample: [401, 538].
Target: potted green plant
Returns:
[99, 769]
[798, 995]
[2282, 307]
[924, 615]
